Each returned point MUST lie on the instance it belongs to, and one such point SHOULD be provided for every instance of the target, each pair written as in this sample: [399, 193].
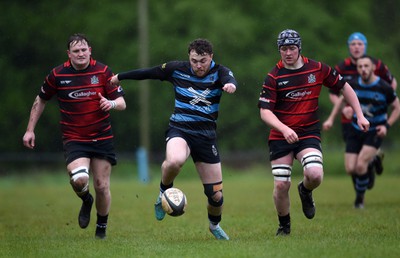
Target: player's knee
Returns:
[312, 161]
[102, 187]
[214, 194]
[282, 172]
[79, 179]
[313, 165]
[171, 165]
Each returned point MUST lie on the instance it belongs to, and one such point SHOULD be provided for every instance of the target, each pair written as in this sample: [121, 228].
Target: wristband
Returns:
[113, 104]
[387, 126]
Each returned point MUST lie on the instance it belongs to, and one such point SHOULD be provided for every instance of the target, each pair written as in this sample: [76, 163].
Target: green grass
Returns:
[38, 218]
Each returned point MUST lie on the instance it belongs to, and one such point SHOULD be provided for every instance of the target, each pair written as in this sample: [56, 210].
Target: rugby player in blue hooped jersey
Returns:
[289, 106]
[198, 85]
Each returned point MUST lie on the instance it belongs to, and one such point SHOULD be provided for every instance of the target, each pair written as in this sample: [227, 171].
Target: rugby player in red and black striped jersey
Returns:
[85, 97]
[289, 105]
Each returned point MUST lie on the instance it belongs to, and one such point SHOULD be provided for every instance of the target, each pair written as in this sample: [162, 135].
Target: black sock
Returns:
[102, 220]
[165, 187]
[214, 219]
[86, 197]
[284, 220]
[304, 189]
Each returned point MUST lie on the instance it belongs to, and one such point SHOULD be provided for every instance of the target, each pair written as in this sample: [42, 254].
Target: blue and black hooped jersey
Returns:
[197, 99]
[374, 99]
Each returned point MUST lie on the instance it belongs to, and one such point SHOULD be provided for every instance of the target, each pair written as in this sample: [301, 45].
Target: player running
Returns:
[198, 85]
[289, 105]
[85, 97]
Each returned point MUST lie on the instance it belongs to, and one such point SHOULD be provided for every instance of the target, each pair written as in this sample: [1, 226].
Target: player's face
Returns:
[200, 63]
[289, 55]
[365, 68]
[356, 48]
[79, 53]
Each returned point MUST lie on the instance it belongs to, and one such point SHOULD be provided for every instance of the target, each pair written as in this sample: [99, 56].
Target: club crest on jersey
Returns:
[94, 80]
[311, 78]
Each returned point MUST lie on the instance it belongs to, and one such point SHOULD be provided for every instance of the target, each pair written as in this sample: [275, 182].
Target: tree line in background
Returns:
[35, 33]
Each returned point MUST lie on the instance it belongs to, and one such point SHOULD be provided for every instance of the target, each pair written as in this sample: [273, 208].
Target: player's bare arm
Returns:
[36, 111]
[382, 130]
[271, 120]
[351, 98]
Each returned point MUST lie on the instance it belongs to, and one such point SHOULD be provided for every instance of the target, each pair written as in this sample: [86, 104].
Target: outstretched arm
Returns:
[156, 72]
[36, 111]
[352, 99]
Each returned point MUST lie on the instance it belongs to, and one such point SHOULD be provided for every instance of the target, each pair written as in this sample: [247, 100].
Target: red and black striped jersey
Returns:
[292, 95]
[77, 95]
[348, 70]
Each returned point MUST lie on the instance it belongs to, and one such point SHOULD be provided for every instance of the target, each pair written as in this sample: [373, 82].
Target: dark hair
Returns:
[201, 46]
[366, 56]
[76, 38]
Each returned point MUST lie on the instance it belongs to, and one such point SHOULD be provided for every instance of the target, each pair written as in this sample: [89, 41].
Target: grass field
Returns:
[38, 218]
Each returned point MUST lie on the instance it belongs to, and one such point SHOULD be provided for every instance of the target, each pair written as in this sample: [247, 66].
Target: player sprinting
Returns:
[85, 98]
[357, 44]
[289, 106]
[198, 85]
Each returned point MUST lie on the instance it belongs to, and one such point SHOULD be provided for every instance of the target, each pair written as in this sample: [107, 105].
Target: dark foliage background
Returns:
[34, 35]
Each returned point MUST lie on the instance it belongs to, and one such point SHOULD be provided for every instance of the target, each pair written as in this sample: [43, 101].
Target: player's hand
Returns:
[229, 87]
[348, 112]
[29, 140]
[327, 125]
[114, 80]
[381, 131]
[105, 104]
[290, 135]
[363, 123]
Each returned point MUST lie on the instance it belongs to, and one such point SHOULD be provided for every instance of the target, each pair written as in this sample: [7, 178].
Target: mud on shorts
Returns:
[103, 149]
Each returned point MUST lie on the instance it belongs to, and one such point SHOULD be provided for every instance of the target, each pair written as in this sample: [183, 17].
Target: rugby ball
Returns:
[173, 202]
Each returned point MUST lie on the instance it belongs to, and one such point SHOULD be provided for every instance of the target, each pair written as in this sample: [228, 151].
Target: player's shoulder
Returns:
[385, 84]
[312, 64]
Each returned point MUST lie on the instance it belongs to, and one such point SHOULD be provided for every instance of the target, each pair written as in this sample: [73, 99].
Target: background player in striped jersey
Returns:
[357, 44]
[198, 85]
[375, 96]
[289, 105]
[85, 96]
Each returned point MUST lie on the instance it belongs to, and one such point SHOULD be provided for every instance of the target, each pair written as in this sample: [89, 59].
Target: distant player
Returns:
[289, 106]
[357, 44]
[375, 96]
[85, 97]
